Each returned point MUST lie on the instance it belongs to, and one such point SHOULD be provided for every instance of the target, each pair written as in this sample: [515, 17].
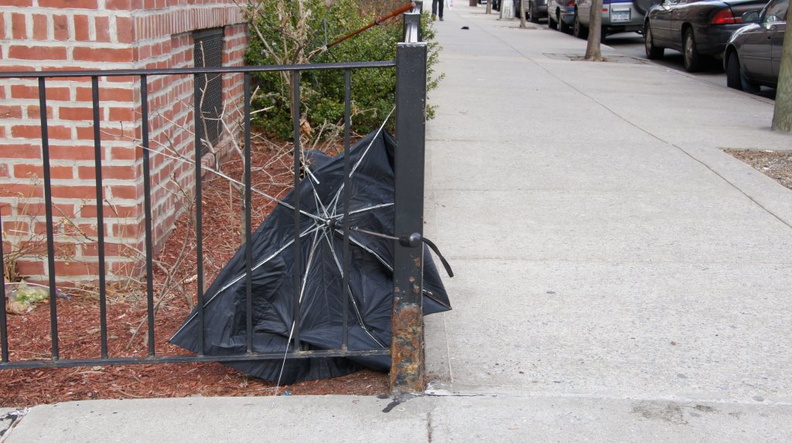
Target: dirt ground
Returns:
[79, 333]
[775, 164]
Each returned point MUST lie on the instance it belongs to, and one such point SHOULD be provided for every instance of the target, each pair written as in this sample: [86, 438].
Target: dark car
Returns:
[697, 28]
[753, 54]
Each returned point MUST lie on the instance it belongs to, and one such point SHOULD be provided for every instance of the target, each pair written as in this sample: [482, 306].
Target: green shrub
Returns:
[286, 32]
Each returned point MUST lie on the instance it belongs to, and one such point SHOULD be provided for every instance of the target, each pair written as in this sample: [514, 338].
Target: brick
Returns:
[10, 111]
[102, 29]
[125, 31]
[110, 55]
[106, 94]
[60, 25]
[32, 92]
[56, 172]
[30, 267]
[75, 153]
[126, 192]
[40, 27]
[107, 134]
[34, 132]
[118, 211]
[14, 68]
[122, 114]
[73, 268]
[18, 3]
[63, 4]
[119, 153]
[37, 52]
[23, 190]
[108, 172]
[123, 5]
[20, 151]
[76, 191]
[34, 111]
[74, 113]
[82, 25]
[110, 250]
[4, 170]
[18, 26]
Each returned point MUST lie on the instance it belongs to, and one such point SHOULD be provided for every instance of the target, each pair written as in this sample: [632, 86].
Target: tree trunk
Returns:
[782, 115]
[593, 52]
[489, 7]
[522, 13]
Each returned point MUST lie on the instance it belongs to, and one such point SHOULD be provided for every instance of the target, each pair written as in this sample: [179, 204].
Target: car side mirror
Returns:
[750, 17]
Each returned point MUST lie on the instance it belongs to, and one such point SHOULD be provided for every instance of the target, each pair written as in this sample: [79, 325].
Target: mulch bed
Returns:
[175, 289]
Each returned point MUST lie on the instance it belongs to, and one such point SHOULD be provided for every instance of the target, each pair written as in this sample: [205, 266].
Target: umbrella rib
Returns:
[337, 197]
[358, 314]
[308, 231]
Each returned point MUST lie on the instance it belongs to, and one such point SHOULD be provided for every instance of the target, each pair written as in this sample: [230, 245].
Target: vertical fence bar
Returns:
[297, 241]
[3, 313]
[199, 134]
[144, 128]
[100, 233]
[347, 191]
[407, 348]
[45, 155]
[248, 211]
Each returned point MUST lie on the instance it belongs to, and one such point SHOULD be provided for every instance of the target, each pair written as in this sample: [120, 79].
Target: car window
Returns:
[776, 11]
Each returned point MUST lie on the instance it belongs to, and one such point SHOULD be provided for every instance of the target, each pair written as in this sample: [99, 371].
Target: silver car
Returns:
[617, 16]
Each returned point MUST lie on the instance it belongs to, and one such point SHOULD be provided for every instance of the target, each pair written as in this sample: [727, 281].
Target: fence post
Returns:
[407, 374]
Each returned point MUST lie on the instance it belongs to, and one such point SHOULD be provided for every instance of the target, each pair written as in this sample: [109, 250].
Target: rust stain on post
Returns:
[407, 365]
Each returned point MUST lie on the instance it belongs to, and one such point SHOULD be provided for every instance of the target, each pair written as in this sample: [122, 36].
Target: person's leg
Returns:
[434, 8]
[440, 8]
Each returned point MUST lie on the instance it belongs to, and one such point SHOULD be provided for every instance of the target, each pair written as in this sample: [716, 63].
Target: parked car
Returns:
[560, 14]
[534, 9]
[617, 16]
[698, 29]
[753, 53]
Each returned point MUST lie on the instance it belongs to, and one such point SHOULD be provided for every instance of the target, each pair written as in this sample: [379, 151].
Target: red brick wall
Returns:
[102, 34]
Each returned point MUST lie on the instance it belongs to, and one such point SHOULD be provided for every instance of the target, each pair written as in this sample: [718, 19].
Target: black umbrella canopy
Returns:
[319, 262]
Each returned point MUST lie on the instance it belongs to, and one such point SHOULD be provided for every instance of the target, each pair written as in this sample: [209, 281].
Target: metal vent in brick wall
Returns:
[209, 52]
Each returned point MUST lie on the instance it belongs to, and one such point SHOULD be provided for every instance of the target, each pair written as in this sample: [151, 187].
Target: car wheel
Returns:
[563, 27]
[578, 30]
[652, 52]
[690, 56]
[552, 24]
[534, 17]
[734, 76]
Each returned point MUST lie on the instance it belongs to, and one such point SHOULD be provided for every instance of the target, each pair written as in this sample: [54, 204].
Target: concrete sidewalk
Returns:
[619, 277]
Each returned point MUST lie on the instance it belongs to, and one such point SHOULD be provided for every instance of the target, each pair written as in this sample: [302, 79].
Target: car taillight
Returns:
[725, 17]
[570, 3]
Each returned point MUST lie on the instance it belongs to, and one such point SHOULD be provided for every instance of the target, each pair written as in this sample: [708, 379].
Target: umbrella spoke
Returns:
[358, 314]
[355, 167]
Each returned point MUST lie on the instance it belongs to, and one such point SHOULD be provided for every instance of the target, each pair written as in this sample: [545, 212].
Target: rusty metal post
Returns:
[407, 374]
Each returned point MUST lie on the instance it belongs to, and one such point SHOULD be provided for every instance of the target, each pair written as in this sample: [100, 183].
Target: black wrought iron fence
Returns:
[407, 347]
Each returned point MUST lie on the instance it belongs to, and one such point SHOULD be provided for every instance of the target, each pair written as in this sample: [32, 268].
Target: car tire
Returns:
[552, 24]
[734, 76]
[578, 30]
[690, 55]
[534, 17]
[652, 52]
[563, 27]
